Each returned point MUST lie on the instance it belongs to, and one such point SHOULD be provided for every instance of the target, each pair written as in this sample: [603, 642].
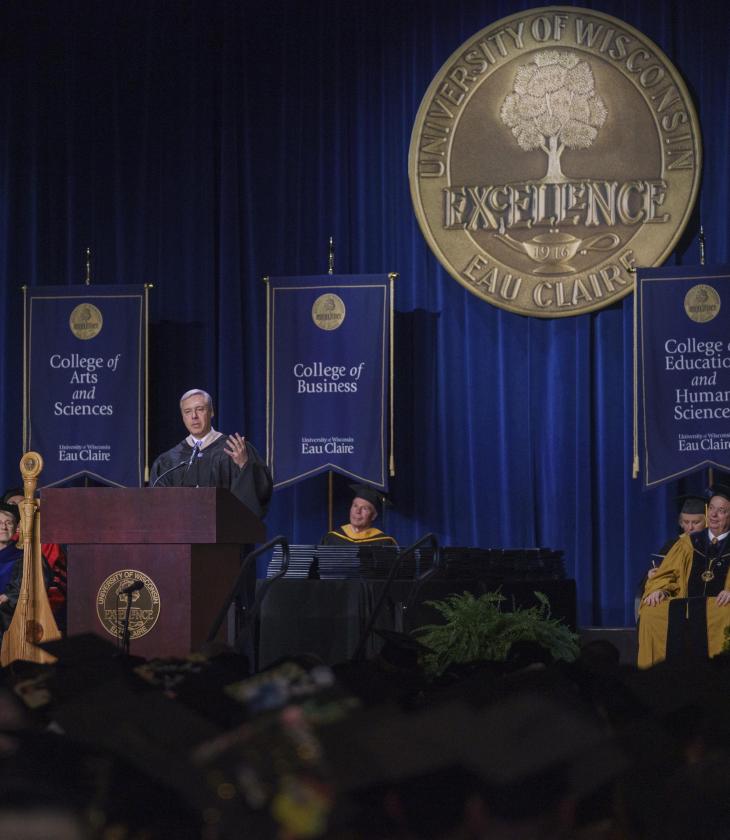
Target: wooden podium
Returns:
[182, 543]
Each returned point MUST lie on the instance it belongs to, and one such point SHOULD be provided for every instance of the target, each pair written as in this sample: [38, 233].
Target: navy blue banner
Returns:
[85, 382]
[684, 370]
[327, 377]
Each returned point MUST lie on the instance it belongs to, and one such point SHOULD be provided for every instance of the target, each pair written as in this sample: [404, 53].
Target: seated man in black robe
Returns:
[207, 458]
[363, 512]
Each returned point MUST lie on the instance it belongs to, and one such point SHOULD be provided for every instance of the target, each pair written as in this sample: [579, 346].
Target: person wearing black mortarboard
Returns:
[207, 458]
[697, 567]
[363, 512]
[691, 519]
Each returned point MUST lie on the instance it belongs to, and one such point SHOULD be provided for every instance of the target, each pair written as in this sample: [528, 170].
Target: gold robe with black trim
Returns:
[346, 535]
[674, 578]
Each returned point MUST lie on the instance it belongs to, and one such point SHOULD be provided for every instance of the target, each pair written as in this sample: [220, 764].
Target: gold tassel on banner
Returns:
[33, 619]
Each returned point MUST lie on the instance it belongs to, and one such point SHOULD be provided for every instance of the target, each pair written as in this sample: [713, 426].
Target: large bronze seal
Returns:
[554, 152]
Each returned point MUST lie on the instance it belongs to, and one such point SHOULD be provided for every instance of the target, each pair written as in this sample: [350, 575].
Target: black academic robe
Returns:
[251, 485]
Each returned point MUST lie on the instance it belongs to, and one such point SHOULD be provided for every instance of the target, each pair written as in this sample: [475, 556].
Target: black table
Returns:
[326, 617]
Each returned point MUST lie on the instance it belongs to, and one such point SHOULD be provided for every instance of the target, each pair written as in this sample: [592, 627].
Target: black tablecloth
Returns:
[326, 617]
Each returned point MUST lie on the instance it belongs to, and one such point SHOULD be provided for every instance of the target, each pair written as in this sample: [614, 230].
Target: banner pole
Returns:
[710, 470]
[25, 368]
[635, 466]
[392, 277]
[146, 318]
[330, 480]
[268, 369]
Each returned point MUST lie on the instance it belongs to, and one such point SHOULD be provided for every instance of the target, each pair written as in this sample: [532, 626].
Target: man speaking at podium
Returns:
[207, 458]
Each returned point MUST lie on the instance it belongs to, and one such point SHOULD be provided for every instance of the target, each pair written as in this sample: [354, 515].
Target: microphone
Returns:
[187, 464]
[131, 587]
[193, 455]
[167, 472]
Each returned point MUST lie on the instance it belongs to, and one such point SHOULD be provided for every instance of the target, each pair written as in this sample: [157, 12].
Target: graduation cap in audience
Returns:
[512, 746]
[692, 505]
[525, 738]
[370, 494]
[11, 509]
[720, 490]
[82, 647]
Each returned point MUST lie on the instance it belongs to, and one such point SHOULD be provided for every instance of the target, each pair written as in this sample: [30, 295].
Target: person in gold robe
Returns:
[363, 513]
[696, 570]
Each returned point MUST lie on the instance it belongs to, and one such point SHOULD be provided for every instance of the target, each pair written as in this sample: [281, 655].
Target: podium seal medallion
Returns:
[555, 151]
[112, 604]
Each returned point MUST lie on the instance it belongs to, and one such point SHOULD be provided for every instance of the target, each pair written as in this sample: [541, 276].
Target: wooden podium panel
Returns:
[158, 515]
[184, 543]
[192, 581]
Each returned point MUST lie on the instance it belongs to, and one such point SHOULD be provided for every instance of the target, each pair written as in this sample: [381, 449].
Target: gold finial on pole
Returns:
[331, 256]
[87, 281]
[31, 465]
[702, 245]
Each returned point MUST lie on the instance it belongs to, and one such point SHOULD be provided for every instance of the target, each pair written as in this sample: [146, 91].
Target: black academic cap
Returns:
[370, 494]
[83, 647]
[524, 736]
[720, 490]
[509, 745]
[12, 509]
[692, 505]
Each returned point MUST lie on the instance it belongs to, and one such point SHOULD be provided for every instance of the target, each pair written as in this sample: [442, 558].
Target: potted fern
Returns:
[476, 629]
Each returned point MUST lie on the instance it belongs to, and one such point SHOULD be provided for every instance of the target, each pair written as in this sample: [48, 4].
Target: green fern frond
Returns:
[477, 629]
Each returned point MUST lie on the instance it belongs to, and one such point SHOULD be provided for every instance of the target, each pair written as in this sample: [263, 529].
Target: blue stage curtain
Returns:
[201, 144]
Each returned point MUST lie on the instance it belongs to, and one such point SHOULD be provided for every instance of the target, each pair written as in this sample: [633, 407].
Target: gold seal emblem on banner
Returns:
[112, 604]
[702, 303]
[328, 311]
[86, 321]
[553, 152]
